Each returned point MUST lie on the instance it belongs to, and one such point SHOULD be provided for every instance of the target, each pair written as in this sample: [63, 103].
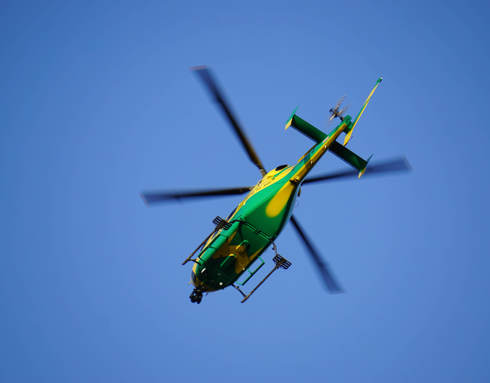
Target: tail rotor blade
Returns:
[334, 112]
[207, 78]
[341, 100]
[322, 266]
[344, 109]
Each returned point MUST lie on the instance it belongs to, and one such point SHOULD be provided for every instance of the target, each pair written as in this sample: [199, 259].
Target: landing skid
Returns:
[280, 262]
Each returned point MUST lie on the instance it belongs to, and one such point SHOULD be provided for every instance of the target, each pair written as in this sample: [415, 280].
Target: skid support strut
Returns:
[220, 224]
[279, 262]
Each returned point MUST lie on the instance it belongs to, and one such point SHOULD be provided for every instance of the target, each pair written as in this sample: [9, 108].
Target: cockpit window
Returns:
[281, 167]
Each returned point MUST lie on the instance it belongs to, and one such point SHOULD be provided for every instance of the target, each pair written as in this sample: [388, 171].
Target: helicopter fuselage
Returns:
[256, 222]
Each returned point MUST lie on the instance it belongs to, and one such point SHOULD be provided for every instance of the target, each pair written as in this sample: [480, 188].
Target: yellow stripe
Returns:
[348, 135]
[280, 200]
[365, 105]
[268, 180]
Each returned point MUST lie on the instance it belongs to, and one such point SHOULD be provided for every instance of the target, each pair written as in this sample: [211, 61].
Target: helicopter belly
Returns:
[271, 209]
[225, 259]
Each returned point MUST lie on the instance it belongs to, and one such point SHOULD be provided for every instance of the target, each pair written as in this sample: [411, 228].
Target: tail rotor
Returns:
[336, 112]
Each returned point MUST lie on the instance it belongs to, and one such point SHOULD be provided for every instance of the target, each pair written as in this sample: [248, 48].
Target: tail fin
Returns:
[349, 133]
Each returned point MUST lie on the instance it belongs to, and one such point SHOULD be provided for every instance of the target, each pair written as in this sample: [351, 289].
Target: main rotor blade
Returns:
[399, 164]
[208, 80]
[321, 265]
[154, 197]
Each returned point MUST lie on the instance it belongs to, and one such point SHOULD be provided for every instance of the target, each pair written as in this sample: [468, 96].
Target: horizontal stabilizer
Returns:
[350, 157]
[305, 127]
[318, 136]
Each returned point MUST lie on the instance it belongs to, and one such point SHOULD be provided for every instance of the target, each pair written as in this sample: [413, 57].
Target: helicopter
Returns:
[234, 247]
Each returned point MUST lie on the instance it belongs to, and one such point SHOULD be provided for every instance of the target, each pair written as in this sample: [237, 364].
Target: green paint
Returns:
[216, 268]
[348, 156]
[307, 129]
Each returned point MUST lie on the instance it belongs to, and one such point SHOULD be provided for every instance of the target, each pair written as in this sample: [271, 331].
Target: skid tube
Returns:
[280, 262]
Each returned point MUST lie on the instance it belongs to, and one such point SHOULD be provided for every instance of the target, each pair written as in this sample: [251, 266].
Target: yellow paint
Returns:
[347, 136]
[279, 201]
[239, 252]
[308, 152]
[253, 256]
[288, 124]
[194, 268]
[225, 248]
[266, 181]
[241, 261]
[197, 282]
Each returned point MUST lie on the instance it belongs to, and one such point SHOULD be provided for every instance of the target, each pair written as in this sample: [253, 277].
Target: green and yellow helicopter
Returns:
[235, 245]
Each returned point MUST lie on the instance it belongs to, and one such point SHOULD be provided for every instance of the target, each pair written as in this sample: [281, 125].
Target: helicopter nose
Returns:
[193, 278]
[199, 283]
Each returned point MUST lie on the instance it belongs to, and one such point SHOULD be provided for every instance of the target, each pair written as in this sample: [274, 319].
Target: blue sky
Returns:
[98, 104]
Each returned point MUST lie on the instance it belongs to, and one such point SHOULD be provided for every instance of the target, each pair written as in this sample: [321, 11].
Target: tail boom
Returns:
[309, 160]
